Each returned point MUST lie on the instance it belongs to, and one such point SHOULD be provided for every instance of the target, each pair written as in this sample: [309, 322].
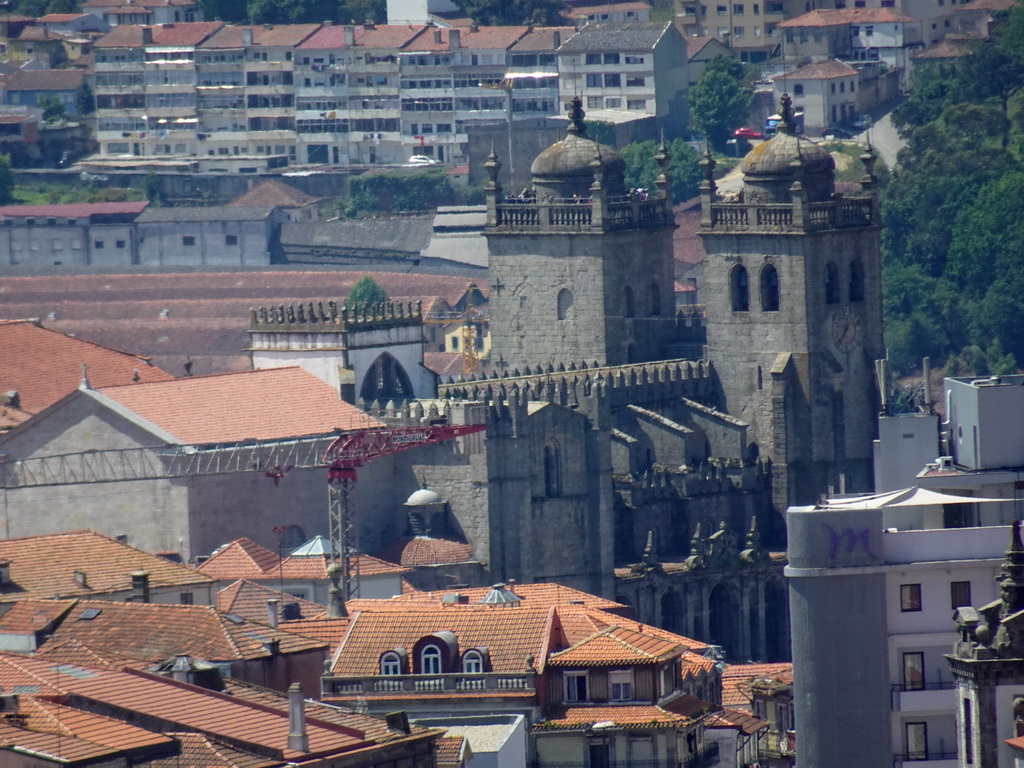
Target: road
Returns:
[884, 139]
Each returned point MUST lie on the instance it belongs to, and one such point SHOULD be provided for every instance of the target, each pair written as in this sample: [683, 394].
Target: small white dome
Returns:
[422, 498]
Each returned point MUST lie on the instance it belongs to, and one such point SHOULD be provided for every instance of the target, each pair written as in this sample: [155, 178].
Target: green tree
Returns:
[6, 180]
[366, 291]
[53, 108]
[399, 191]
[224, 10]
[513, 12]
[85, 102]
[720, 101]
[683, 168]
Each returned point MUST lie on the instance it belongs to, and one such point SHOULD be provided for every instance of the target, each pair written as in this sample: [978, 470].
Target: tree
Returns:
[513, 12]
[683, 168]
[366, 291]
[390, 192]
[719, 101]
[53, 108]
[85, 102]
[6, 180]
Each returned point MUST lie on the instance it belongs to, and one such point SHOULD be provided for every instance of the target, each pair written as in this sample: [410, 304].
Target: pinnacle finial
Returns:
[787, 124]
[85, 383]
[576, 115]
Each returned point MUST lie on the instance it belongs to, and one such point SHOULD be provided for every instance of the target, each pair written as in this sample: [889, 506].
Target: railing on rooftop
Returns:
[576, 214]
[497, 682]
[842, 213]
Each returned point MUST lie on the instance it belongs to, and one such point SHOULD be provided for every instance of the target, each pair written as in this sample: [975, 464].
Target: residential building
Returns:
[150, 12]
[322, 108]
[587, 11]
[854, 34]
[979, 17]
[749, 29]
[95, 567]
[38, 367]
[772, 700]
[218, 235]
[637, 67]
[28, 86]
[37, 44]
[699, 51]
[72, 234]
[825, 91]
[261, 604]
[293, 204]
[221, 93]
[73, 23]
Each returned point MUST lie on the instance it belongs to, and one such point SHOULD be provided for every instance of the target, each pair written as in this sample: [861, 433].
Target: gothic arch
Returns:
[856, 279]
[739, 289]
[770, 292]
[831, 283]
[564, 303]
[724, 621]
[386, 380]
[552, 469]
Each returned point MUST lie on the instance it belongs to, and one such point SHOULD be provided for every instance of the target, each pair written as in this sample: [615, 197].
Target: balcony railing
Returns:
[704, 758]
[832, 214]
[775, 744]
[581, 214]
[928, 685]
[917, 757]
[497, 682]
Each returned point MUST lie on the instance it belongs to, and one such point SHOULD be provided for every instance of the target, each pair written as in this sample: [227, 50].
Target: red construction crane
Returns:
[349, 452]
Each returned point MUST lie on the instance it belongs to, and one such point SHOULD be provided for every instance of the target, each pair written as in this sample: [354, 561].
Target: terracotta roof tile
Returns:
[188, 34]
[541, 595]
[331, 631]
[43, 366]
[634, 716]
[329, 37]
[390, 35]
[616, 646]
[249, 600]
[736, 718]
[484, 38]
[154, 632]
[737, 678]
[53, 715]
[451, 750]
[241, 559]
[58, 747]
[842, 16]
[281, 35]
[277, 193]
[271, 404]
[199, 751]
[822, 70]
[45, 80]
[542, 39]
[423, 550]
[31, 616]
[75, 652]
[106, 565]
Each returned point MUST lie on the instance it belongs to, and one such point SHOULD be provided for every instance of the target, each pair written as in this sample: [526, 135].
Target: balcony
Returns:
[926, 760]
[702, 759]
[576, 215]
[776, 744]
[834, 214]
[500, 683]
[924, 697]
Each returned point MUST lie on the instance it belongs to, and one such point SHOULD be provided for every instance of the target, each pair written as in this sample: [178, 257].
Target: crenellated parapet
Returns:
[332, 318]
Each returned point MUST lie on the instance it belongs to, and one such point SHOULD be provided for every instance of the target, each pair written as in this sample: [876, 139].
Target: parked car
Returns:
[837, 132]
[421, 160]
[748, 133]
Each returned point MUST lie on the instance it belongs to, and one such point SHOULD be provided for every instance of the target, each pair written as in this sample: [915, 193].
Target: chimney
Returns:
[298, 739]
[398, 722]
[81, 578]
[557, 39]
[140, 587]
[246, 37]
[147, 36]
[437, 36]
[454, 39]
[350, 35]
[272, 612]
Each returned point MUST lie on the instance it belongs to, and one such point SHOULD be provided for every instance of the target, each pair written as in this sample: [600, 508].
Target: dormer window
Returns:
[621, 684]
[473, 663]
[390, 664]
[430, 660]
[5, 573]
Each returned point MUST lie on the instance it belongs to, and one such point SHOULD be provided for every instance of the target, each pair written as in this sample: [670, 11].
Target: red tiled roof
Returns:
[249, 600]
[822, 70]
[56, 746]
[616, 646]
[330, 631]
[842, 16]
[45, 566]
[43, 366]
[75, 652]
[450, 750]
[330, 37]
[60, 18]
[74, 210]
[737, 677]
[191, 33]
[271, 404]
[274, 192]
[544, 594]
[389, 35]
[483, 38]
[31, 616]
[543, 39]
[198, 751]
[35, 34]
[631, 715]
[446, 364]
[315, 566]
[154, 632]
[56, 717]
[738, 719]
[946, 49]
[241, 559]
[423, 550]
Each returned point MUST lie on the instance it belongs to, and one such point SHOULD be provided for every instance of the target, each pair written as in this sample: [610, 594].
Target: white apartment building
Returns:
[825, 91]
[322, 115]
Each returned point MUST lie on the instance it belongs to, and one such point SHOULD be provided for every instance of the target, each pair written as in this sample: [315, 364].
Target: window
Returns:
[798, 89]
[186, 598]
[740, 289]
[630, 305]
[430, 660]
[913, 671]
[593, 58]
[564, 303]
[552, 469]
[636, 104]
[739, 31]
[390, 664]
[119, 243]
[594, 81]
[917, 741]
[857, 282]
[959, 594]
[473, 663]
[594, 102]
[98, 245]
[188, 240]
[621, 685]
[612, 80]
[855, 31]
[968, 731]
[613, 103]
[869, 31]
[611, 58]
[833, 86]
[636, 59]
[723, 10]
[230, 239]
[635, 82]
[575, 686]
[769, 289]
[831, 283]
[910, 597]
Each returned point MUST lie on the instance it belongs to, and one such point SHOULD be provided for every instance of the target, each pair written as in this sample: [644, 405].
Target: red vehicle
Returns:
[748, 133]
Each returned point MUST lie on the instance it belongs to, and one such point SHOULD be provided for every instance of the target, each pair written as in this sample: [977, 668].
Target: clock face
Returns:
[845, 329]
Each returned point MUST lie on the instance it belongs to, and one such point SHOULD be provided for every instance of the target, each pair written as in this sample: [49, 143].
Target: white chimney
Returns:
[272, 612]
[298, 739]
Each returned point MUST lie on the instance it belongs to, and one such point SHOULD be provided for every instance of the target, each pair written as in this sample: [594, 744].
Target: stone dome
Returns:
[566, 168]
[422, 498]
[776, 157]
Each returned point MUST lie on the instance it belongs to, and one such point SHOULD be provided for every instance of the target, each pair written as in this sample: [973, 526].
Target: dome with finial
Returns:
[770, 168]
[567, 167]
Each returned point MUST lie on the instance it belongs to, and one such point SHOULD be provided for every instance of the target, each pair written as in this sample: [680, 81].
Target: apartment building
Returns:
[750, 29]
[115, 12]
[853, 34]
[322, 95]
[220, 93]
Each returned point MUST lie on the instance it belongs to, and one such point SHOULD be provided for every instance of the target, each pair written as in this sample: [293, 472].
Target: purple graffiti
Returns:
[852, 538]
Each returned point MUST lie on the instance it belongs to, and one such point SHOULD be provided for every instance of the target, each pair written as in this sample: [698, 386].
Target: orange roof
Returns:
[315, 566]
[738, 719]
[241, 559]
[45, 566]
[271, 404]
[542, 594]
[31, 616]
[75, 652]
[451, 750]
[389, 35]
[423, 550]
[822, 70]
[695, 664]
[331, 631]
[737, 678]
[616, 646]
[56, 717]
[157, 631]
[249, 600]
[274, 192]
[681, 711]
[843, 16]
[43, 366]
[196, 750]
[510, 632]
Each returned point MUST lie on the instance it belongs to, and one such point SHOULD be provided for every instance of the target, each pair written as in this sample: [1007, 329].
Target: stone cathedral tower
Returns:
[582, 271]
[792, 289]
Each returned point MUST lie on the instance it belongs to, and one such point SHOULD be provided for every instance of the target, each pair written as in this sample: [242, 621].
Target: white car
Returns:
[421, 160]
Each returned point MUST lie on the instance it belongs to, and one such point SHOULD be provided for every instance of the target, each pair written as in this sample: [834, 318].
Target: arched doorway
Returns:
[724, 622]
[386, 380]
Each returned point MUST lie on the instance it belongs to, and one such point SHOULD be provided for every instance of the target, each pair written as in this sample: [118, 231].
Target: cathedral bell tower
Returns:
[581, 270]
[792, 287]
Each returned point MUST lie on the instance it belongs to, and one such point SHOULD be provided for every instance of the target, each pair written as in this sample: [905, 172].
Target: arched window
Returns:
[655, 300]
[390, 664]
[564, 303]
[552, 469]
[856, 280]
[831, 283]
[739, 284]
[386, 380]
[630, 304]
[430, 660]
[769, 289]
[473, 663]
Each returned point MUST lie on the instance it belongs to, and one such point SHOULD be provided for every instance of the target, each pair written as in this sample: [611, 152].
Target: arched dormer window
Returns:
[552, 469]
[655, 300]
[739, 289]
[856, 280]
[769, 289]
[831, 283]
[564, 303]
[630, 303]
[390, 664]
[430, 660]
[473, 662]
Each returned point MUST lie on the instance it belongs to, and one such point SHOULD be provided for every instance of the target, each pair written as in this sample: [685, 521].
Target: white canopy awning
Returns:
[908, 497]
